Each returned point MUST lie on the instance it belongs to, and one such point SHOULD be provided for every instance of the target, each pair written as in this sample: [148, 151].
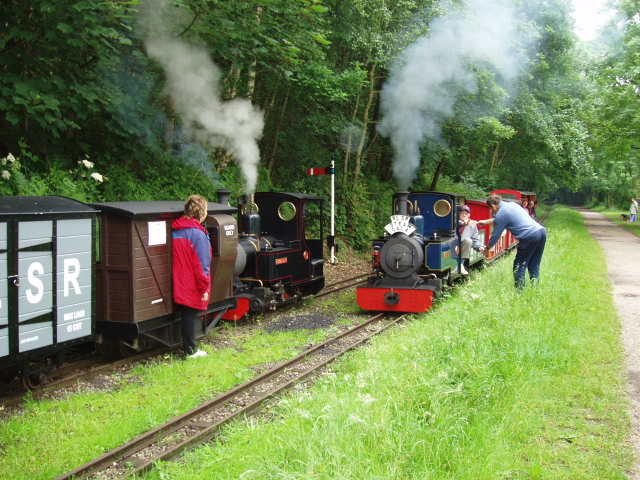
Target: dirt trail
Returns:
[623, 262]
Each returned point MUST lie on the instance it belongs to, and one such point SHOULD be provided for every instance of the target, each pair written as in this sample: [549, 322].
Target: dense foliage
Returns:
[85, 112]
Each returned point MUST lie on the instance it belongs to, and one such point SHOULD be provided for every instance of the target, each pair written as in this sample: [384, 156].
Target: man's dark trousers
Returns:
[529, 256]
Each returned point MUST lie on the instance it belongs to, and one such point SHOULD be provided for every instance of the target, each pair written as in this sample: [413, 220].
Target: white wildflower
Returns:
[367, 399]
[11, 158]
[87, 163]
[5, 174]
[304, 414]
[97, 177]
[353, 418]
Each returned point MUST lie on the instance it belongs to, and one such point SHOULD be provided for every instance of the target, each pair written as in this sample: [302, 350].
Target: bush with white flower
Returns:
[9, 166]
[87, 171]
[83, 183]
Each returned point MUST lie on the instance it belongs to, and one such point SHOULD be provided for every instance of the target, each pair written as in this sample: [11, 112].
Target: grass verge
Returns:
[492, 384]
[53, 436]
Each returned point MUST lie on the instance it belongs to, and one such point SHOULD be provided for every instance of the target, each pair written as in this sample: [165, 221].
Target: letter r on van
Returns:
[70, 275]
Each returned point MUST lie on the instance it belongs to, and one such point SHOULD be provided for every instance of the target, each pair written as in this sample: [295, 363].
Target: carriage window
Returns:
[442, 208]
[287, 211]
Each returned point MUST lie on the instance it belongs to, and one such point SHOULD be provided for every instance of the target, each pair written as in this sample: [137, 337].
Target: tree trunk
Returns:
[234, 78]
[436, 175]
[365, 121]
[274, 148]
[251, 84]
[494, 158]
[347, 153]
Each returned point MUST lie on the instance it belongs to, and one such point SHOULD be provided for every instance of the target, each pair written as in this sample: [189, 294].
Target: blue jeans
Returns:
[634, 217]
[528, 257]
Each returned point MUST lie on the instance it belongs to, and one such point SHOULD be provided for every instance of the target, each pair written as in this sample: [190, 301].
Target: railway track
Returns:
[85, 368]
[202, 423]
[76, 372]
[343, 285]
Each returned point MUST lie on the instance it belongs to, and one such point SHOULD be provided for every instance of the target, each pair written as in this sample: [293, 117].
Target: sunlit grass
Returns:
[54, 436]
[492, 384]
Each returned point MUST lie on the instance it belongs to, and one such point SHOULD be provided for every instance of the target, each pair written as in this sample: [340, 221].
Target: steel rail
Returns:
[93, 366]
[122, 460]
[353, 281]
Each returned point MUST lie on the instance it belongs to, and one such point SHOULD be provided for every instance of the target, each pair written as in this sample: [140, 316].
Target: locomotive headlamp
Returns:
[442, 208]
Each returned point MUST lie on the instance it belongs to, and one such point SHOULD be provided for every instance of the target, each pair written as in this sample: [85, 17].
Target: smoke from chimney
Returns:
[430, 74]
[193, 81]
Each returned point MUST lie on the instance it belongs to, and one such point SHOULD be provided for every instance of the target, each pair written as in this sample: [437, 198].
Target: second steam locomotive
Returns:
[418, 253]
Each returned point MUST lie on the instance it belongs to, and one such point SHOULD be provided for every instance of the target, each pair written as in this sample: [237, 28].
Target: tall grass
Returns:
[54, 436]
[493, 384]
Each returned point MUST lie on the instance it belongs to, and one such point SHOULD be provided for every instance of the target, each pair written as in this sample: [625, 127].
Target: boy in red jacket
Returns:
[191, 269]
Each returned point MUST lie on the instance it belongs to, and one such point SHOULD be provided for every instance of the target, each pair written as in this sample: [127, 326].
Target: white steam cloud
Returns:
[429, 75]
[193, 81]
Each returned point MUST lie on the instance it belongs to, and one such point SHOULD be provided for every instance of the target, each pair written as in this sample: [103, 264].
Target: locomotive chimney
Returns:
[400, 203]
[223, 196]
[249, 216]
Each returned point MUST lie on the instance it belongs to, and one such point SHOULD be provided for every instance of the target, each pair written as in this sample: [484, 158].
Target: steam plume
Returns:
[429, 75]
[193, 81]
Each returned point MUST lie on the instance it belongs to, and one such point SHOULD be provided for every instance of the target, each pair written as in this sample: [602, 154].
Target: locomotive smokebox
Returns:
[400, 202]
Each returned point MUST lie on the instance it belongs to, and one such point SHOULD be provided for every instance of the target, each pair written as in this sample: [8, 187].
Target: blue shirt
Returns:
[514, 218]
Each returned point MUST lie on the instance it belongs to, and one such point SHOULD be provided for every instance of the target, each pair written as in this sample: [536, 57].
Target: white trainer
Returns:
[463, 270]
[198, 354]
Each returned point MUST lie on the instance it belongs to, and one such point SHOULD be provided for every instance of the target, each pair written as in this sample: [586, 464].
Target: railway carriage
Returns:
[134, 280]
[47, 273]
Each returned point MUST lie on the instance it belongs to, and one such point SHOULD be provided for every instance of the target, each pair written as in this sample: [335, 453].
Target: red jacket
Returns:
[191, 263]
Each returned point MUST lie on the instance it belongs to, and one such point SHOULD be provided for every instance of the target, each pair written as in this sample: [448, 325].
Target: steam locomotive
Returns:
[416, 257]
[72, 273]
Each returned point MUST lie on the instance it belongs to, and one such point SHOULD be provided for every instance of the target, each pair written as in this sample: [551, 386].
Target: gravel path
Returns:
[622, 250]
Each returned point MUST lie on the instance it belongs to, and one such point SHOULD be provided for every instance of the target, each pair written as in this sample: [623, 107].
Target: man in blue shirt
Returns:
[530, 234]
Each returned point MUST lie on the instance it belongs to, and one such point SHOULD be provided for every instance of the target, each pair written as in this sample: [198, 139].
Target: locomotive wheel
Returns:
[256, 305]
